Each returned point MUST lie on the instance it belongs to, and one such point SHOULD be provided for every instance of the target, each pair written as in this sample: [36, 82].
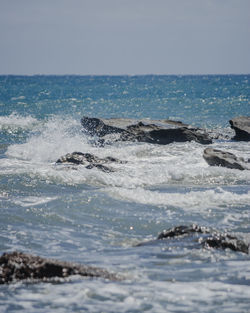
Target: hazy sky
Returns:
[124, 36]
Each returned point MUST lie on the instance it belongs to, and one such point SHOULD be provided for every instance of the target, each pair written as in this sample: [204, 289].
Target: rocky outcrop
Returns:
[89, 160]
[212, 238]
[96, 126]
[17, 266]
[204, 236]
[241, 125]
[182, 230]
[215, 157]
[150, 131]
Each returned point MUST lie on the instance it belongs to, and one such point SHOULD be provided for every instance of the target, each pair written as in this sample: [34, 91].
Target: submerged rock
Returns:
[151, 131]
[215, 157]
[204, 236]
[17, 266]
[241, 125]
[89, 160]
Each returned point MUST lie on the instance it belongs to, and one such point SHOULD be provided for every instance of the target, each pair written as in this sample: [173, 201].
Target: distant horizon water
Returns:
[125, 74]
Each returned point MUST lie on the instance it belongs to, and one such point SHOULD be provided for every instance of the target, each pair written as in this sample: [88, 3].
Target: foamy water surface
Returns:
[92, 217]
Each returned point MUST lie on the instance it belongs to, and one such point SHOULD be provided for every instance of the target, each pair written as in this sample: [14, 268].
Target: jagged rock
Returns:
[96, 126]
[226, 242]
[89, 160]
[17, 266]
[182, 230]
[204, 236]
[151, 131]
[241, 125]
[215, 157]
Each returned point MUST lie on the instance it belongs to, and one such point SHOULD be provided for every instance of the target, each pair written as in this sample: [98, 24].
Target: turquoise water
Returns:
[96, 218]
[202, 100]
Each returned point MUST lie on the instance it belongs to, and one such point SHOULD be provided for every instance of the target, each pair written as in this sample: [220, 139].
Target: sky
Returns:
[117, 37]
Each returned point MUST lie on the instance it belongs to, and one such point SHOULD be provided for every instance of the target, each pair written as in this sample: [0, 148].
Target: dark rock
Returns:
[216, 157]
[241, 125]
[226, 242]
[17, 266]
[204, 236]
[166, 136]
[89, 160]
[182, 230]
[151, 131]
[95, 126]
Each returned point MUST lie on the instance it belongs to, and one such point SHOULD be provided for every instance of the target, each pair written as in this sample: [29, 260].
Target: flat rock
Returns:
[241, 125]
[151, 131]
[88, 160]
[204, 236]
[215, 157]
[16, 266]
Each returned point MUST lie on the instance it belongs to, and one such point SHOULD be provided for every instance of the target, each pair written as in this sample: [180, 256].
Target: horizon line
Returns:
[129, 75]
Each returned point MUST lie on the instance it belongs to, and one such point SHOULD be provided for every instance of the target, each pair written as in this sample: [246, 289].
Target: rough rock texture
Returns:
[17, 266]
[241, 125]
[151, 131]
[96, 126]
[216, 157]
[206, 237]
[182, 230]
[212, 239]
[89, 160]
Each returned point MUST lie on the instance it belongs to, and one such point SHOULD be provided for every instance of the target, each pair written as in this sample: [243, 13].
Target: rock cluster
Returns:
[88, 160]
[207, 238]
[160, 132]
[17, 266]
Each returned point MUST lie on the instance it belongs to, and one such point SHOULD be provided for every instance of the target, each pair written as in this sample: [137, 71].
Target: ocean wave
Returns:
[151, 296]
[33, 200]
[147, 165]
[16, 122]
[50, 140]
[212, 198]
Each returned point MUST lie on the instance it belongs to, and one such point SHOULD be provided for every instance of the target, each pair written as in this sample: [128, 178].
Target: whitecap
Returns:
[190, 200]
[15, 121]
[33, 201]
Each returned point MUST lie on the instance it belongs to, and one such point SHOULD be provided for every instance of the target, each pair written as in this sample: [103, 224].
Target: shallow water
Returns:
[97, 218]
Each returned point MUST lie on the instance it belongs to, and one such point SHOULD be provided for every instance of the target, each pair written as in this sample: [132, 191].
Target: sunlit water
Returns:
[97, 218]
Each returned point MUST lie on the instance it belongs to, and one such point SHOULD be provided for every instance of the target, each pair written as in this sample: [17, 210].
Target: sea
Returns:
[91, 217]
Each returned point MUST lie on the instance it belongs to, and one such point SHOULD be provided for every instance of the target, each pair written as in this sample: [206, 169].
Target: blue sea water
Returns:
[97, 218]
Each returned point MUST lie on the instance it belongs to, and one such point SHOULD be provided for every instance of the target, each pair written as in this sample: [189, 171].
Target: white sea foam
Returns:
[15, 121]
[51, 140]
[147, 165]
[33, 201]
[190, 200]
[150, 296]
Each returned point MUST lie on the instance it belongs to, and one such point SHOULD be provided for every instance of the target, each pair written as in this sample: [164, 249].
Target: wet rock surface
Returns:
[150, 131]
[241, 125]
[96, 126]
[204, 236]
[215, 157]
[88, 160]
[182, 230]
[16, 266]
